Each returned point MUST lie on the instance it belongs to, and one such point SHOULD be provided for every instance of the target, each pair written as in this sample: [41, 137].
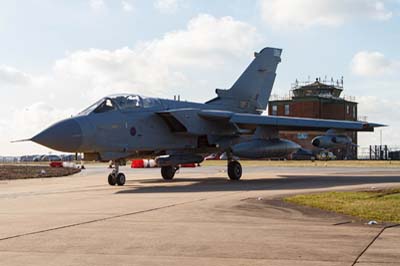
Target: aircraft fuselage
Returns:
[117, 133]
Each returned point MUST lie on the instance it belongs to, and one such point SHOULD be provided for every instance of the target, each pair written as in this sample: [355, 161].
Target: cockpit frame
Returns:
[121, 102]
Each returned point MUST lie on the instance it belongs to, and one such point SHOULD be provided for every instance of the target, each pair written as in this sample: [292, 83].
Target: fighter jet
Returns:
[126, 126]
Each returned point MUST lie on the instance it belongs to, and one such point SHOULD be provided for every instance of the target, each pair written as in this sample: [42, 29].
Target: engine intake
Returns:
[328, 141]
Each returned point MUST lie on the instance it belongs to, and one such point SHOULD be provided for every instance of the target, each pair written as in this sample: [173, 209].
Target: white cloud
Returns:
[377, 96]
[26, 122]
[189, 61]
[12, 76]
[104, 72]
[97, 5]
[380, 110]
[167, 6]
[159, 65]
[308, 13]
[35, 117]
[369, 64]
[206, 41]
[127, 6]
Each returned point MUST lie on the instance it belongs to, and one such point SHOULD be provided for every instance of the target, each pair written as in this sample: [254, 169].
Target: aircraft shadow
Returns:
[222, 184]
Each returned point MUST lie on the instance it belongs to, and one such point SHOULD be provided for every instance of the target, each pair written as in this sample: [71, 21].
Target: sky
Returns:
[58, 57]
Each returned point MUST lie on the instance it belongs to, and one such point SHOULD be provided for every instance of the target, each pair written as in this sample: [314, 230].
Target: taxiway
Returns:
[200, 218]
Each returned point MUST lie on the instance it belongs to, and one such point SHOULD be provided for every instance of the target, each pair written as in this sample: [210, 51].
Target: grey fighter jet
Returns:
[121, 127]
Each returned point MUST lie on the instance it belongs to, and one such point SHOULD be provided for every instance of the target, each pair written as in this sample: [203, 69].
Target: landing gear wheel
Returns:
[168, 172]
[112, 179]
[121, 179]
[234, 170]
[116, 178]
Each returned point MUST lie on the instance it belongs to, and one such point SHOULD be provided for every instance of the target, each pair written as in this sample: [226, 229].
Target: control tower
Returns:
[318, 99]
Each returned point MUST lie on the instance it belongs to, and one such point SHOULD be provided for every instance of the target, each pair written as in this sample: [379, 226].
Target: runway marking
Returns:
[98, 220]
[116, 216]
[71, 190]
[372, 242]
[341, 223]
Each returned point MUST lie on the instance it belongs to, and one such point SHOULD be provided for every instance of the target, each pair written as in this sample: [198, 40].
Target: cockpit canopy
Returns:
[122, 102]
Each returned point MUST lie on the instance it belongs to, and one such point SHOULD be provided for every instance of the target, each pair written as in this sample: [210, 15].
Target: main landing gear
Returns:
[168, 172]
[115, 177]
[234, 170]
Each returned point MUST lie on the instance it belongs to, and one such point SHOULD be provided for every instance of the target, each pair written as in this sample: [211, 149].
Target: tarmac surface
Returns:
[200, 218]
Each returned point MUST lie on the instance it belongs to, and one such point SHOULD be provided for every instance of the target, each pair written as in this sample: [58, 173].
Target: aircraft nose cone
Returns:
[65, 135]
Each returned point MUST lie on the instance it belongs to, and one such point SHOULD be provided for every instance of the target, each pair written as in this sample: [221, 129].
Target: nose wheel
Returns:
[115, 177]
[234, 170]
[112, 179]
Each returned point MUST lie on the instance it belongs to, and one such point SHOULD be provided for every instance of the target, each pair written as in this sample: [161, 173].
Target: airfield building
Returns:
[318, 99]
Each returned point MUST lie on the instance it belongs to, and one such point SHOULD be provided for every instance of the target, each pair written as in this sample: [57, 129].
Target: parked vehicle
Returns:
[51, 158]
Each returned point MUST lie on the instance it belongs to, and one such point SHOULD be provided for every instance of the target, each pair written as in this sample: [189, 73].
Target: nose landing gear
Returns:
[115, 177]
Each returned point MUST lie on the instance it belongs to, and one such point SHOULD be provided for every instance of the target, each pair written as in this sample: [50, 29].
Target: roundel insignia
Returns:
[133, 131]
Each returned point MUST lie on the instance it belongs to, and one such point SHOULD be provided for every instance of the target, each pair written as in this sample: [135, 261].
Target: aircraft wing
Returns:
[284, 123]
[194, 121]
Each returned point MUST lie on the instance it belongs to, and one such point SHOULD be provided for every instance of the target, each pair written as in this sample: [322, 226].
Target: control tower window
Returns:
[287, 109]
[274, 109]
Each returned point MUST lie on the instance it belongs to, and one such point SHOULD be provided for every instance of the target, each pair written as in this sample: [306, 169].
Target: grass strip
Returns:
[379, 205]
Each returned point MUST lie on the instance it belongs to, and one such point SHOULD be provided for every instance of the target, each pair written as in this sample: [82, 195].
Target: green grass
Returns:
[383, 205]
[289, 163]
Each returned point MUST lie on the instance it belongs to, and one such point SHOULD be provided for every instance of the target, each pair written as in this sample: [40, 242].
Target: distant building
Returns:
[319, 99]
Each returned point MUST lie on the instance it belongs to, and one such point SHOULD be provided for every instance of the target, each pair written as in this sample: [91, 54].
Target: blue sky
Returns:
[56, 57]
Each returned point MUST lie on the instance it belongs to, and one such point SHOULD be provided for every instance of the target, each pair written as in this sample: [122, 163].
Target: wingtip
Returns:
[377, 125]
[372, 126]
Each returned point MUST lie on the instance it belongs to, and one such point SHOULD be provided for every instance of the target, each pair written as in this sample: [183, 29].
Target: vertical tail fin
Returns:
[251, 92]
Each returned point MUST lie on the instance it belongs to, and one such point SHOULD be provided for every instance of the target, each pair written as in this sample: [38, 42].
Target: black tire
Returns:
[168, 172]
[234, 170]
[121, 179]
[112, 179]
